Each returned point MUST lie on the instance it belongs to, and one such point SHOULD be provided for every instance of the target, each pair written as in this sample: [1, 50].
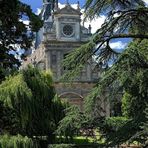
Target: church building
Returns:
[62, 33]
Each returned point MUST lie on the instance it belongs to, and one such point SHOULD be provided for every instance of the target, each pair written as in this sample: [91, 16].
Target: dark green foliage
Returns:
[97, 7]
[58, 110]
[42, 90]
[120, 130]
[67, 125]
[8, 121]
[142, 135]
[61, 146]
[76, 146]
[127, 76]
[71, 124]
[14, 34]
[130, 71]
[115, 122]
[124, 19]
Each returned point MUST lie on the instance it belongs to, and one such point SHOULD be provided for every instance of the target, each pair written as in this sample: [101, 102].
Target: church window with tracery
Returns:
[68, 30]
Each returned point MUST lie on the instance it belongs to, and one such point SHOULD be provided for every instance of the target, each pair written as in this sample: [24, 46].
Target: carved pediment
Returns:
[68, 10]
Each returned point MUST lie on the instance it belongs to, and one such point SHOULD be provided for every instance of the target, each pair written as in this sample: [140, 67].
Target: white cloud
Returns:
[146, 1]
[62, 5]
[38, 11]
[26, 22]
[118, 45]
[95, 24]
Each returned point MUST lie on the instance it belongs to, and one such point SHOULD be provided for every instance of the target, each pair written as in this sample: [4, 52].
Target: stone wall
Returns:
[76, 92]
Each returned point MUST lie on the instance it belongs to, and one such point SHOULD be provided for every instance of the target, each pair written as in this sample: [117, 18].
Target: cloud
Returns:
[26, 22]
[38, 11]
[146, 1]
[118, 45]
[95, 24]
[63, 5]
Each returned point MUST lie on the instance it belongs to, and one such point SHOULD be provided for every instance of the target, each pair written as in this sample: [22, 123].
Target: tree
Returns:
[29, 94]
[29, 105]
[128, 74]
[124, 19]
[8, 122]
[15, 35]
[130, 71]
[70, 125]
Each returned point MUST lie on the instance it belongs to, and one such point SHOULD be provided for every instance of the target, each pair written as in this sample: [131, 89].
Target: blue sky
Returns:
[38, 3]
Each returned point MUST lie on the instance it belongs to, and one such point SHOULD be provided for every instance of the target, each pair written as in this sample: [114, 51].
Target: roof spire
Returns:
[78, 5]
[56, 5]
[67, 2]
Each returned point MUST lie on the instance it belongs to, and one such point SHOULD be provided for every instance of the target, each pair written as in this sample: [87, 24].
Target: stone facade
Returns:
[60, 35]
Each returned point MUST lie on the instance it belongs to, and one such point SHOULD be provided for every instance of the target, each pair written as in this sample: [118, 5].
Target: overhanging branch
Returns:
[108, 38]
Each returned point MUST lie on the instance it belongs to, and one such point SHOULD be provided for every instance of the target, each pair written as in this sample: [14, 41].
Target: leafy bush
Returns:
[7, 141]
[30, 94]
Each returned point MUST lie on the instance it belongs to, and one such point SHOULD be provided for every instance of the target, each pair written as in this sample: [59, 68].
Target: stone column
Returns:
[89, 71]
[59, 60]
[77, 31]
[57, 28]
[48, 60]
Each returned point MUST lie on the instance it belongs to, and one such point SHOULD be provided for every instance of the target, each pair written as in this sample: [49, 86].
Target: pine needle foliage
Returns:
[130, 71]
[70, 125]
[124, 19]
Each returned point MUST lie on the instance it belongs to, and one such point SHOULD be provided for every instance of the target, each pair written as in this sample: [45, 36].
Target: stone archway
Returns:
[73, 98]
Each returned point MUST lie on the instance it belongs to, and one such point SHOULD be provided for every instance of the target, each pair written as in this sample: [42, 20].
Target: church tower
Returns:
[61, 34]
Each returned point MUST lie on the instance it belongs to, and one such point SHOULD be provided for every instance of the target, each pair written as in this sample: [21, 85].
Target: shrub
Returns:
[7, 141]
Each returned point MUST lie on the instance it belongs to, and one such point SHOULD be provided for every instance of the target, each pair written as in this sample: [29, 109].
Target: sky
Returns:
[36, 6]
[38, 3]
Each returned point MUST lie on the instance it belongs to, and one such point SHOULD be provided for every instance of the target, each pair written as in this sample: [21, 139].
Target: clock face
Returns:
[68, 30]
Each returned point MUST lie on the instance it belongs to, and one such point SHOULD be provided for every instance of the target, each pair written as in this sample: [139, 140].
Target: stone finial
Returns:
[56, 6]
[67, 2]
[78, 5]
[45, 1]
[89, 29]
